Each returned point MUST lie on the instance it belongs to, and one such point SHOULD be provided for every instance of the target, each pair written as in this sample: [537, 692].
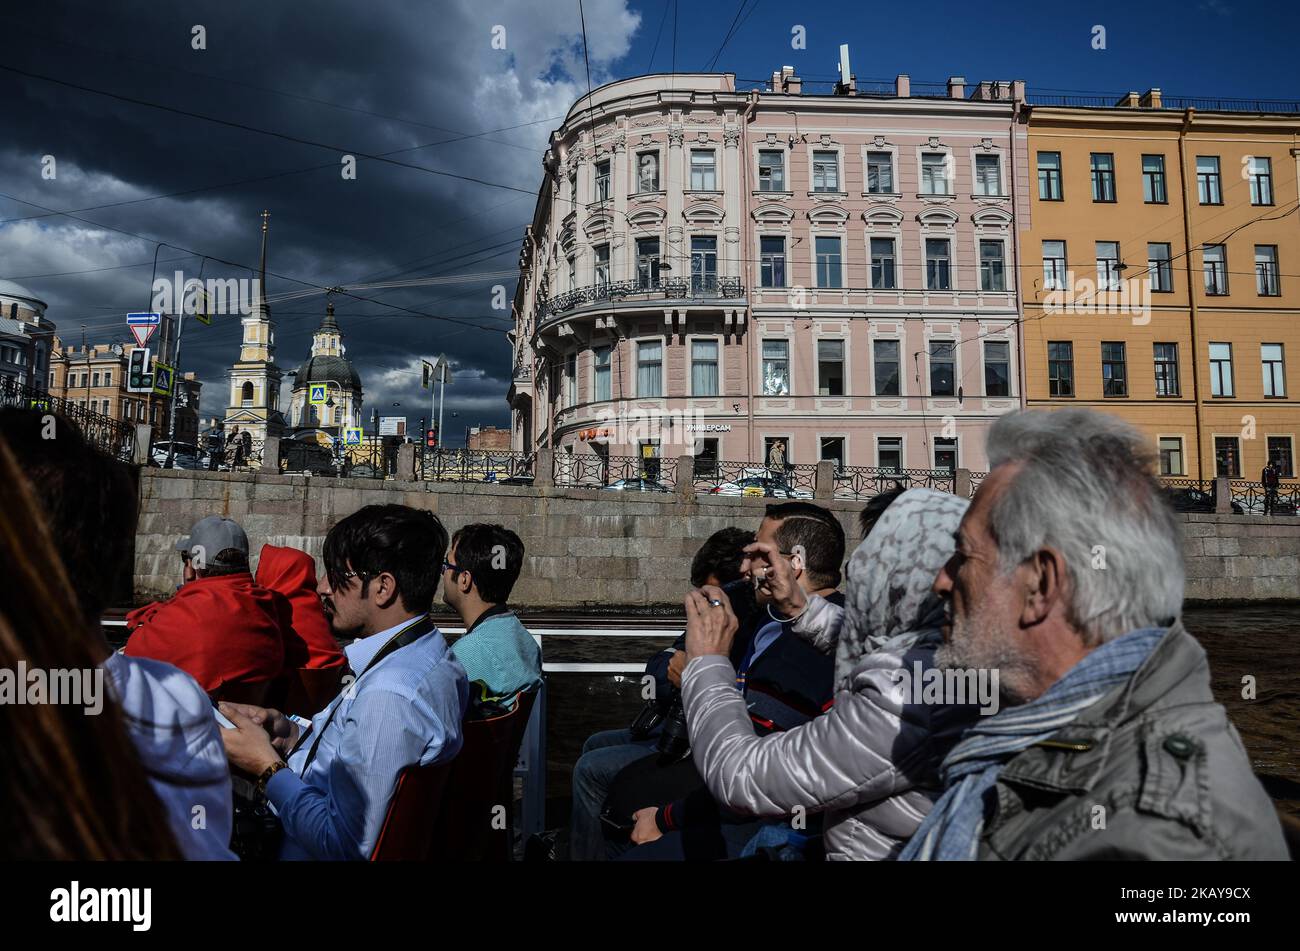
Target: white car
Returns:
[187, 455]
[762, 483]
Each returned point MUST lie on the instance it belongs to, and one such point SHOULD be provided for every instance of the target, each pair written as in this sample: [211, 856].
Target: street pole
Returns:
[442, 392]
[171, 399]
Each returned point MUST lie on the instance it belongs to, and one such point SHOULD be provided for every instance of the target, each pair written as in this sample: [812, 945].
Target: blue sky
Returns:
[1193, 48]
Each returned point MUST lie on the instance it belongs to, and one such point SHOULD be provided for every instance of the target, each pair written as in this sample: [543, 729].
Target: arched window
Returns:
[247, 394]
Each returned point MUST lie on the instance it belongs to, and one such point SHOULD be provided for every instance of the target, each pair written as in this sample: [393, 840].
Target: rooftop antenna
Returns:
[846, 76]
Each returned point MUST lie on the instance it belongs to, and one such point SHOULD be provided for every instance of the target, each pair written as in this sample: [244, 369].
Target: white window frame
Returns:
[690, 364]
[663, 360]
[843, 338]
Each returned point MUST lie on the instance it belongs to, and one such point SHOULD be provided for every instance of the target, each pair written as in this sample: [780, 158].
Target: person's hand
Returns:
[283, 731]
[676, 664]
[646, 829]
[775, 576]
[710, 623]
[248, 746]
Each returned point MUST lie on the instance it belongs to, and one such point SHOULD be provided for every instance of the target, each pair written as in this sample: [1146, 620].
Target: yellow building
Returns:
[1193, 348]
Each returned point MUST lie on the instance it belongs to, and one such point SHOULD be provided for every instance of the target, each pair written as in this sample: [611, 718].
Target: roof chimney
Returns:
[1151, 98]
[903, 86]
[957, 87]
[1130, 101]
[790, 83]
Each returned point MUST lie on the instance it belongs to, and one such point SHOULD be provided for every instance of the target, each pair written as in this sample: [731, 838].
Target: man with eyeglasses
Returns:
[500, 657]
[331, 781]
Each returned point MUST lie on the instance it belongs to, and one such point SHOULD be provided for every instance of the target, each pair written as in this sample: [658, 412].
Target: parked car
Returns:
[637, 485]
[186, 456]
[768, 486]
[1196, 500]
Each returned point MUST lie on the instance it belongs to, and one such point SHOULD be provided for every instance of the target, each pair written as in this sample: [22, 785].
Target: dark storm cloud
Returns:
[431, 63]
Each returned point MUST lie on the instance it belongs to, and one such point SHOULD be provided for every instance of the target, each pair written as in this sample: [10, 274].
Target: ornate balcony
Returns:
[697, 288]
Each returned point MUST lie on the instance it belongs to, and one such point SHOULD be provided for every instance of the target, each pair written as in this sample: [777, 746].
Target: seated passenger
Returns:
[500, 657]
[221, 627]
[292, 573]
[871, 762]
[331, 783]
[606, 753]
[89, 503]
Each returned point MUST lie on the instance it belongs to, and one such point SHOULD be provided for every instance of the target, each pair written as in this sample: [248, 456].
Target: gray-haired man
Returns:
[1068, 579]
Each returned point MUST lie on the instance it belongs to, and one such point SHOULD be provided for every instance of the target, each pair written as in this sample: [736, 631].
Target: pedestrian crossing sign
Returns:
[316, 394]
[352, 435]
[162, 378]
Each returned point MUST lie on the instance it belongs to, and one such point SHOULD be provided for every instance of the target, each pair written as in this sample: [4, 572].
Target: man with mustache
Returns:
[1068, 580]
[331, 782]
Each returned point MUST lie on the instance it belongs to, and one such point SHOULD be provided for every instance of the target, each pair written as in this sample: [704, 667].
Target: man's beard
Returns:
[977, 642]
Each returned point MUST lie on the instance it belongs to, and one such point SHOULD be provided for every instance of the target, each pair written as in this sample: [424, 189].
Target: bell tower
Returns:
[255, 379]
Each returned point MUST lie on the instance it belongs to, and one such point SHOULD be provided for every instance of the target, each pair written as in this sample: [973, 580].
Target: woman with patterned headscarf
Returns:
[870, 763]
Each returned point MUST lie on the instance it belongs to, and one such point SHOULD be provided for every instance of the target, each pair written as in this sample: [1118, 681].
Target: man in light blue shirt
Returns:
[331, 783]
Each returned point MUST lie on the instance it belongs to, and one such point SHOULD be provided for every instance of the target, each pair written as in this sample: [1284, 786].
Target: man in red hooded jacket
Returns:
[221, 627]
[292, 573]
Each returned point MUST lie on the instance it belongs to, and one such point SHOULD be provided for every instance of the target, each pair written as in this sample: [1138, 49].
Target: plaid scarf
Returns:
[970, 771]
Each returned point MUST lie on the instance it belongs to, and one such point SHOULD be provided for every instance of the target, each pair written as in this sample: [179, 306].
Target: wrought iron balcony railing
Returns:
[696, 288]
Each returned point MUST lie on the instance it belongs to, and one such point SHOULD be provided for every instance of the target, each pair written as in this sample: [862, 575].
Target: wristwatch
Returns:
[268, 773]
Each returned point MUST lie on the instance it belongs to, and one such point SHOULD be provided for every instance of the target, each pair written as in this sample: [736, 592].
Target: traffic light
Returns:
[431, 438]
[138, 378]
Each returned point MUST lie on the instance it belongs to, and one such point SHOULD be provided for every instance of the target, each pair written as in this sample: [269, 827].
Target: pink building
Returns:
[714, 271]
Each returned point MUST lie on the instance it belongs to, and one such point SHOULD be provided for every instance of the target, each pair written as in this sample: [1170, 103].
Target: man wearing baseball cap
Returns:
[221, 627]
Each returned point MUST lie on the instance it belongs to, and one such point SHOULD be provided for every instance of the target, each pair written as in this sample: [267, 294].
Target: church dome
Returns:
[328, 367]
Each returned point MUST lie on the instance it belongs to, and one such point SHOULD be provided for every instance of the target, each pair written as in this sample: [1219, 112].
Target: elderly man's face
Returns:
[984, 604]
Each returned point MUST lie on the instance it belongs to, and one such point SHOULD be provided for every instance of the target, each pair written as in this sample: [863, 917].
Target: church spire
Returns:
[266, 217]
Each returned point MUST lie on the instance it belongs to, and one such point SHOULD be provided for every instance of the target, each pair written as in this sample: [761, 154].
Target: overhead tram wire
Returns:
[736, 23]
[268, 132]
[246, 267]
[658, 33]
[154, 65]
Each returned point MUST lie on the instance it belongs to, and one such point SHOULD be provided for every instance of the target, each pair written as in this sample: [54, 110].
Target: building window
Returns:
[1107, 265]
[95, 379]
[706, 460]
[108, 377]
[647, 172]
[602, 264]
[937, 274]
[776, 368]
[1153, 180]
[886, 367]
[829, 262]
[704, 265]
[943, 365]
[1270, 355]
[988, 175]
[1114, 376]
[1221, 369]
[1103, 176]
[1266, 282]
[704, 368]
[997, 368]
[704, 171]
[1060, 368]
[934, 174]
[1214, 260]
[1279, 453]
[772, 261]
[771, 170]
[992, 275]
[1054, 276]
[602, 181]
[826, 171]
[882, 264]
[1166, 357]
[832, 449]
[1261, 180]
[1208, 184]
[880, 173]
[1160, 266]
[1049, 176]
[945, 454]
[573, 184]
[573, 273]
[601, 359]
[830, 367]
[246, 394]
[570, 382]
[649, 368]
[889, 453]
[1227, 457]
[1171, 456]
[647, 262]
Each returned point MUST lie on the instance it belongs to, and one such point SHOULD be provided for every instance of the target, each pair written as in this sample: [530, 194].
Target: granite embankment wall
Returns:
[589, 548]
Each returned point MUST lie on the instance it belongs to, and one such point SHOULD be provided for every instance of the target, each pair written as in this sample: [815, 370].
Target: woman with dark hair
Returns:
[72, 785]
